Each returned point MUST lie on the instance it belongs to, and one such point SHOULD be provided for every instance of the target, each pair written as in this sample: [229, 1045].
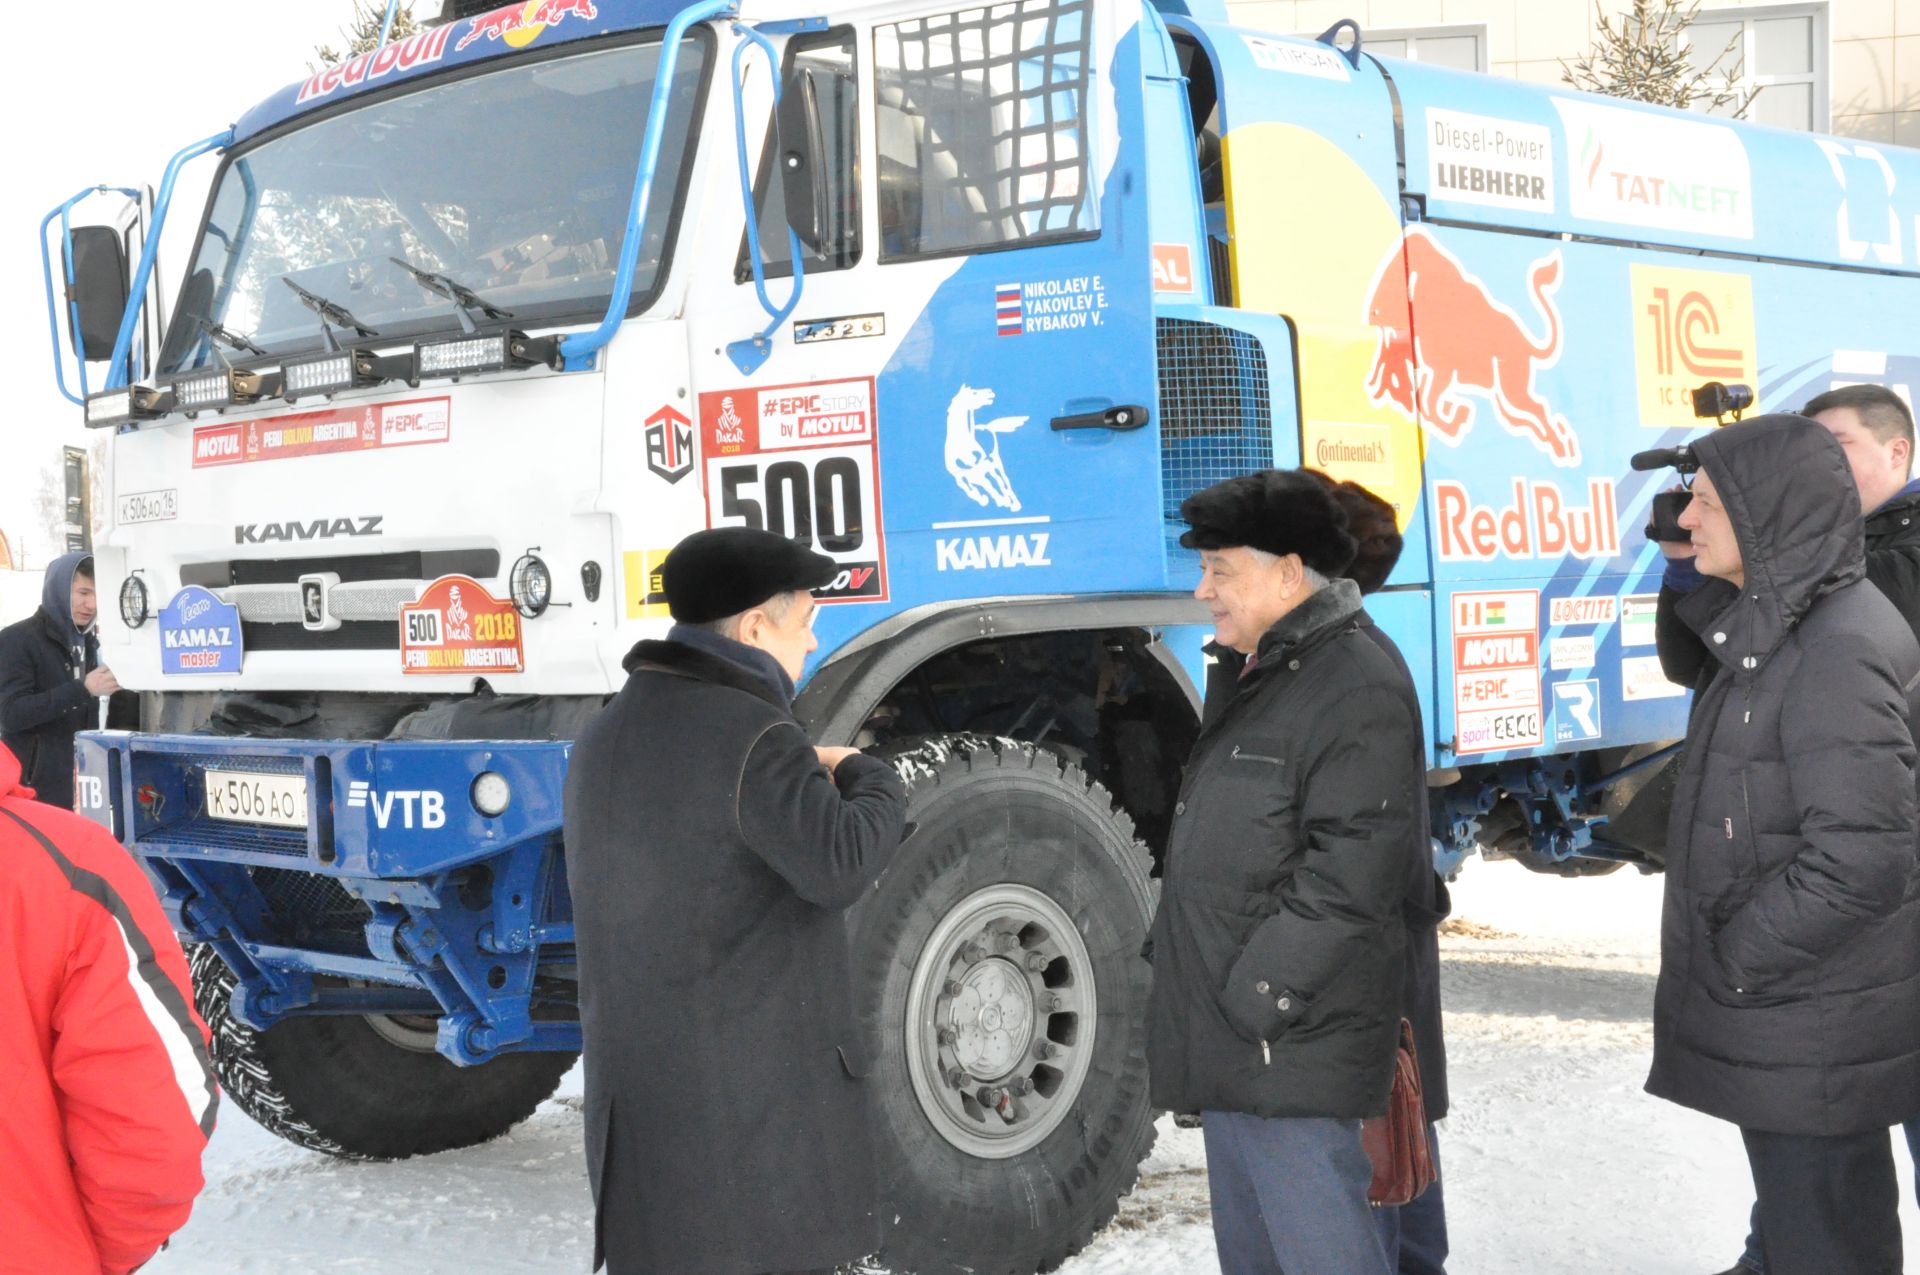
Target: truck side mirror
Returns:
[798, 147]
[97, 263]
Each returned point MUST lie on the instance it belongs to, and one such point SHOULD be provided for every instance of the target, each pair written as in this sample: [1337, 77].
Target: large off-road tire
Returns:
[1001, 957]
[361, 1088]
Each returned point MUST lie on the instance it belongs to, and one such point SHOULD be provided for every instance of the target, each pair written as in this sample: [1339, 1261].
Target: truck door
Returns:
[959, 404]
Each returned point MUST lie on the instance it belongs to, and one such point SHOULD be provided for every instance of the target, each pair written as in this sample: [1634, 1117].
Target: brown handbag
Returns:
[1397, 1141]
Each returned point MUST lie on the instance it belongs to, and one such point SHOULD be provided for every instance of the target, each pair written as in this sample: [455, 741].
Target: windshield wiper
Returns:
[465, 299]
[330, 314]
[229, 338]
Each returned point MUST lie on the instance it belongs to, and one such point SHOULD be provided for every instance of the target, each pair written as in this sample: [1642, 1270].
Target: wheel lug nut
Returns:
[1008, 942]
[1053, 1002]
[973, 953]
[1043, 1051]
[1021, 1086]
[953, 987]
[946, 1036]
[956, 1079]
[1036, 961]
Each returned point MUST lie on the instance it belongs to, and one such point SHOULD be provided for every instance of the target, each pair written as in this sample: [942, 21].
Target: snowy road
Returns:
[1556, 1162]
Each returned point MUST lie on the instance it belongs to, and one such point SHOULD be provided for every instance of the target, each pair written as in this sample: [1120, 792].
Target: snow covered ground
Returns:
[1556, 1162]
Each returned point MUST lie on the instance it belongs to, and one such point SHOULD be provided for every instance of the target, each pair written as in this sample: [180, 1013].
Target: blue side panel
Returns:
[1489, 150]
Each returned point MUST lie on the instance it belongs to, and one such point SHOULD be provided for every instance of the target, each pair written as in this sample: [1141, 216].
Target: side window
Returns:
[821, 69]
[983, 134]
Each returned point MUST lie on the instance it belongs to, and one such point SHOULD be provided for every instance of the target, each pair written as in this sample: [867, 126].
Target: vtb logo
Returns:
[1689, 327]
[1442, 335]
[417, 808]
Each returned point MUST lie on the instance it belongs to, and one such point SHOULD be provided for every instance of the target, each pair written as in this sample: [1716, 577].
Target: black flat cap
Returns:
[1279, 510]
[714, 574]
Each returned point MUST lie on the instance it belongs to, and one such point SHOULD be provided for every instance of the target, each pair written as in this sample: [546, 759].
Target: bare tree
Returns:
[362, 34]
[50, 505]
[1640, 55]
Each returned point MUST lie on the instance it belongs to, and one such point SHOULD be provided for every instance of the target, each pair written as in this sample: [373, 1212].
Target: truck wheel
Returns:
[1001, 951]
[363, 1088]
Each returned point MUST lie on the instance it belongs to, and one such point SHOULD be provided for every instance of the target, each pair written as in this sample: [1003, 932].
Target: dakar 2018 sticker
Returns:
[349, 429]
[803, 461]
[1496, 671]
[456, 626]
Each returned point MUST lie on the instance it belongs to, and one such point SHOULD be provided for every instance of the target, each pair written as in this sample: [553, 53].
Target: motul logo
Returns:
[255, 533]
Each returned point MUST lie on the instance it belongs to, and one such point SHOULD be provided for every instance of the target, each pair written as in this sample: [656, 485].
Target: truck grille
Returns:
[372, 589]
[1216, 408]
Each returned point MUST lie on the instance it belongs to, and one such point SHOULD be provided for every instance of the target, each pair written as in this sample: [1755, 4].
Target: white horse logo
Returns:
[978, 469]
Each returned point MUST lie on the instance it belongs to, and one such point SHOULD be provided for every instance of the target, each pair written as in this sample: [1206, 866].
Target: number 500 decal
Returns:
[802, 461]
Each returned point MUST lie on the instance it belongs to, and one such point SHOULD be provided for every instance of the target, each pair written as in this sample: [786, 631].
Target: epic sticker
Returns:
[456, 626]
[646, 591]
[1496, 678]
[803, 461]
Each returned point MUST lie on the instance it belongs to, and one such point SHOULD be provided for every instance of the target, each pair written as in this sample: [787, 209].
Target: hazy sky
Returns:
[106, 96]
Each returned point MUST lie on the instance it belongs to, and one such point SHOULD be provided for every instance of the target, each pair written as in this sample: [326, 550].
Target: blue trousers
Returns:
[1755, 1258]
[1415, 1235]
[1290, 1197]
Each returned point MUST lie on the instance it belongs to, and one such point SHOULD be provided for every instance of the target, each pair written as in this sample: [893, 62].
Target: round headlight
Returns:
[133, 602]
[530, 585]
[490, 794]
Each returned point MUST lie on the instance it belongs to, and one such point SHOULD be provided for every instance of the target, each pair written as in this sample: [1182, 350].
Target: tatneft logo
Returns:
[669, 444]
[1654, 170]
[255, 533]
[1689, 326]
[417, 807]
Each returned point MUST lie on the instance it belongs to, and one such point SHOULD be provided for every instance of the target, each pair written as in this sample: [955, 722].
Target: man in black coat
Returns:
[1279, 945]
[712, 851]
[1874, 428]
[1789, 994]
[1415, 1234]
[51, 681]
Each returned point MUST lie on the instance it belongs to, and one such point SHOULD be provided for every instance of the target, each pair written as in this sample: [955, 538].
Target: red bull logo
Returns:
[423, 49]
[1443, 335]
[518, 25]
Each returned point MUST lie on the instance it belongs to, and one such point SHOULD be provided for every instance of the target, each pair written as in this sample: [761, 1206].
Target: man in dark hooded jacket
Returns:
[1279, 945]
[712, 852]
[1789, 994]
[50, 679]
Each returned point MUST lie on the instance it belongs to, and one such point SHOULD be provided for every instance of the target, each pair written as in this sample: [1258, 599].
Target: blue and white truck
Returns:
[968, 296]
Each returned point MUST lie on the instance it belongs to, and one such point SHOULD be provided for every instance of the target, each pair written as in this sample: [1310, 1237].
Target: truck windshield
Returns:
[514, 182]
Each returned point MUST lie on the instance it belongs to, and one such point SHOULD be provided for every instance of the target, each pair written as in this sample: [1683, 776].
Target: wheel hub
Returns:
[1000, 1021]
[991, 1018]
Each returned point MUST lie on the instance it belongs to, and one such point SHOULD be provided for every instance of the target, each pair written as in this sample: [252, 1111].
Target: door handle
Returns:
[1124, 417]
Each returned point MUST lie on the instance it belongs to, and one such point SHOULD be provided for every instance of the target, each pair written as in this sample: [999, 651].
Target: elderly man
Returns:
[712, 851]
[1789, 994]
[1278, 949]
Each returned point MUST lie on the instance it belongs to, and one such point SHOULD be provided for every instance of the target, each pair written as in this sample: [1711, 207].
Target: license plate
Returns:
[246, 796]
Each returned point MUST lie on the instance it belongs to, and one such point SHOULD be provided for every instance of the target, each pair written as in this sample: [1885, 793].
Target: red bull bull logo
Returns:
[518, 25]
[1443, 335]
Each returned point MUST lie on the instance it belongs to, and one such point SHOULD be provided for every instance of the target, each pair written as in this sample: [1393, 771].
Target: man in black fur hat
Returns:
[1278, 949]
[712, 850]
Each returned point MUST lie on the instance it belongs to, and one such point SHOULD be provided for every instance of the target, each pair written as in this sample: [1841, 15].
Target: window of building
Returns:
[1464, 48]
[983, 129]
[1779, 54]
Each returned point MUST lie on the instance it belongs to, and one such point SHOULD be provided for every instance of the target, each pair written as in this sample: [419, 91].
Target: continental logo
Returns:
[1353, 452]
[1689, 327]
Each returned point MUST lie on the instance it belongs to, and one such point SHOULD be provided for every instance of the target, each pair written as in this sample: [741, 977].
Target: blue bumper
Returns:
[397, 896]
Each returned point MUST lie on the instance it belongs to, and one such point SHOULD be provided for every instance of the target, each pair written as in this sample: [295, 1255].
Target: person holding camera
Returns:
[1789, 985]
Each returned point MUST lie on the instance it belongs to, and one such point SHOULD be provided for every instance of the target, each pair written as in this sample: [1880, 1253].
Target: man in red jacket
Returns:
[107, 1091]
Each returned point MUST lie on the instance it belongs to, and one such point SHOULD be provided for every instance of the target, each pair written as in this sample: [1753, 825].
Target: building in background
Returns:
[1843, 66]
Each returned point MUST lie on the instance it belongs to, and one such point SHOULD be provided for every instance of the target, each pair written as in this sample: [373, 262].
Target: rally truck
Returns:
[968, 297]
